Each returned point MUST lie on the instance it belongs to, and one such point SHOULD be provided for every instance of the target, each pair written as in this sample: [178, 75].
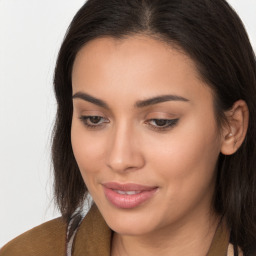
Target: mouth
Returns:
[127, 192]
[128, 195]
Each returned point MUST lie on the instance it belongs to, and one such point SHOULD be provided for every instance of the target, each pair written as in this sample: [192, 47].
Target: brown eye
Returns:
[161, 124]
[93, 121]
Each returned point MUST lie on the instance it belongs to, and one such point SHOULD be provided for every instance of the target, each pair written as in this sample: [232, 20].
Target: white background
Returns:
[30, 35]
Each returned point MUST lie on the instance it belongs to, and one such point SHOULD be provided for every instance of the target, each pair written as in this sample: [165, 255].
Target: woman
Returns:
[155, 120]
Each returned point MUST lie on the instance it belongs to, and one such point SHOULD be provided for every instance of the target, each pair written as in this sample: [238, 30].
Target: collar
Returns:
[94, 237]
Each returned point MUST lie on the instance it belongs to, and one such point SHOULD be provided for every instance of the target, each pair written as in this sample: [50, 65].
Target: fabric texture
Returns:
[92, 237]
[47, 239]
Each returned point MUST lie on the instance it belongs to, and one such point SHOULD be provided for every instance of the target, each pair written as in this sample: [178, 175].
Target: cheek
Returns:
[88, 151]
[187, 158]
[187, 172]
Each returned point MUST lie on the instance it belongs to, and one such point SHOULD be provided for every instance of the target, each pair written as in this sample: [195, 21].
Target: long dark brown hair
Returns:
[211, 33]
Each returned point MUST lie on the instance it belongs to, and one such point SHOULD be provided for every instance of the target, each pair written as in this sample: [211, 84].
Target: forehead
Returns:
[143, 53]
[136, 64]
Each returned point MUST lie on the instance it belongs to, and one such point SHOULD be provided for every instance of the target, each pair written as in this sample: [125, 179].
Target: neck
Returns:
[179, 240]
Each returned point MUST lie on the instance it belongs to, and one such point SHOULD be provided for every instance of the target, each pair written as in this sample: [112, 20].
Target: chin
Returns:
[126, 229]
[133, 222]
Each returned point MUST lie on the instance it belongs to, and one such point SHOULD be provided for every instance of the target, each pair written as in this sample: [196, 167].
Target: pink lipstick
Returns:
[127, 195]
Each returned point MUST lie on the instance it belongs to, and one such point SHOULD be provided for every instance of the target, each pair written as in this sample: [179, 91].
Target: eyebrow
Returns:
[159, 99]
[138, 104]
[89, 98]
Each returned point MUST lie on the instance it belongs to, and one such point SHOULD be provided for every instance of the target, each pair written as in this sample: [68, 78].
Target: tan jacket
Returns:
[92, 239]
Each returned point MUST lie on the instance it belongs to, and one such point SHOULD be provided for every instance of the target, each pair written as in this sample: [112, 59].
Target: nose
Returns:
[124, 151]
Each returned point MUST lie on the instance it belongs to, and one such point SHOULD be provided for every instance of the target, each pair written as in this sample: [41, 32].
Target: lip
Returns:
[116, 194]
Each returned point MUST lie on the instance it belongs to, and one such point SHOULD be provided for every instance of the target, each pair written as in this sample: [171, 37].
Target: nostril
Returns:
[128, 161]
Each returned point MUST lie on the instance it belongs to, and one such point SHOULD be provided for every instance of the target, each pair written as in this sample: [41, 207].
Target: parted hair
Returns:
[213, 36]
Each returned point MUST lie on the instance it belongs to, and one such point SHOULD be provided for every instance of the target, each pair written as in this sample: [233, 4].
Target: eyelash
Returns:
[85, 120]
[168, 125]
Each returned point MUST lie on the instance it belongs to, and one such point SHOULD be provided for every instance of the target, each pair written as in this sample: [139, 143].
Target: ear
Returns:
[235, 131]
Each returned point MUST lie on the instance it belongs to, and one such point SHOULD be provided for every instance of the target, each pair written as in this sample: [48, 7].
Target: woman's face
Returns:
[144, 134]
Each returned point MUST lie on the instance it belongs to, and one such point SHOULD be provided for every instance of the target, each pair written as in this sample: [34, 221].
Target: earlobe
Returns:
[235, 131]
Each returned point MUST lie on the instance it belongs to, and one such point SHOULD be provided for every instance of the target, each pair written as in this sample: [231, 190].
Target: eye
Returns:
[93, 121]
[162, 124]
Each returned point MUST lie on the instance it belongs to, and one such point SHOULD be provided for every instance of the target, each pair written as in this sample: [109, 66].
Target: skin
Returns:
[126, 144]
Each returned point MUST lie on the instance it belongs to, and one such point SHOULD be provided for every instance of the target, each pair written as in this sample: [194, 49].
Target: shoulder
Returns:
[47, 239]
